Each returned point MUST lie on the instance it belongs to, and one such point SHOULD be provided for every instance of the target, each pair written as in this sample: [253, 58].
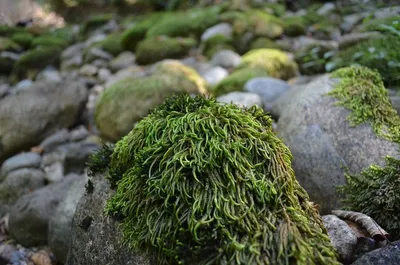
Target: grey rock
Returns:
[303, 42]
[96, 53]
[50, 143]
[72, 63]
[88, 70]
[54, 172]
[388, 255]
[323, 142]
[122, 61]
[243, 99]
[219, 29]
[23, 85]
[100, 63]
[13, 56]
[90, 224]
[49, 75]
[226, 59]
[78, 134]
[396, 103]
[350, 21]
[72, 51]
[133, 71]
[326, 9]
[30, 216]
[200, 67]
[104, 74]
[17, 183]
[269, 89]
[342, 236]
[354, 38]
[76, 155]
[95, 38]
[216, 74]
[29, 160]
[53, 157]
[60, 225]
[4, 90]
[30, 116]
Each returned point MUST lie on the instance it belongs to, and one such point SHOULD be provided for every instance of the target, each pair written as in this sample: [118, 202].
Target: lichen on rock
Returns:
[200, 182]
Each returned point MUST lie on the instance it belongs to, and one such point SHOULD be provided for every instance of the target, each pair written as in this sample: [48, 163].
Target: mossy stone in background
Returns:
[294, 26]
[313, 58]
[23, 38]
[155, 49]
[262, 43]
[95, 22]
[7, 44]
[50, 41]
[216, 43]
[112, 44]
[212, 184]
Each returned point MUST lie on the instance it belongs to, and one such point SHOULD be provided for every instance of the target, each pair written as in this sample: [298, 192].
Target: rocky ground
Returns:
[65, 91]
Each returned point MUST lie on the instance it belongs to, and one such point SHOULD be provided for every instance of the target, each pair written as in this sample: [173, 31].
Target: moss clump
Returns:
[236, 80]
[132, 36]
[294, 26]
[263, 43]
[6, 44]
[361, 90]
[95, 22]
[49, 41]
[216, 43]
[378, 24]
[24, 39]
[375, 192]
[7, 31]
[274, 62]
[155, 49]
[377, 53]
[205, 183]
[182, 24]
[111, 44]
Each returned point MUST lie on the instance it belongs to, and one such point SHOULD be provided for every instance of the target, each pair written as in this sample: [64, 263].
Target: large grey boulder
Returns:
[323, 143]
[61, 222]
[389, 255]
[30, 216]
[95, 237]
[28, 117]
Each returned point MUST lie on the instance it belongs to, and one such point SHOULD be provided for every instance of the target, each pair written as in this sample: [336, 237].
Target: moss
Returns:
[49, 41]
[376, 53]
[96, 22]
[361, 90]
[7, 31]
[274, 62]
[313, 59]
[373, 24]
[215, 44]
[277, 9]
[6, 44]
[132, 36]
[294, 26]
[212, 184]
[155, 49]
[24, 39]
[183, 24]
[374, 192]
[263, 43]
[112, 44]
[236, 80]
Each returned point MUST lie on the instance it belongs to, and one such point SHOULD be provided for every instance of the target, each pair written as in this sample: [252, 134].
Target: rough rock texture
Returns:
[95, 237]
[322, 141]
[28, 117]
[61, 222]
[31, 214]
[389, 255]
[342, 236]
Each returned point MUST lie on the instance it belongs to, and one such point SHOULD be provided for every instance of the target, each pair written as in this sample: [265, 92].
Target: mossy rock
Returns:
[236, 80]
[6, 64]
[96, 22]
[35, 60]
[373, 24]
[264, 43]
[155, 49]
[132, 36]
[183, 24]
[313, 59]
[275, 63]
[202, 198]
[376, 53]
[294, 26]
[129, 100]
[24, 39]
[49, 41]
[7, 31]
[7, 44]
[339, 122]
[216, 43]
[277, 9]
[112, 44]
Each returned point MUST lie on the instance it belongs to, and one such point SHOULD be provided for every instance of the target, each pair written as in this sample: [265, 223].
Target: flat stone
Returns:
[23, 160]
[242, 99]
[215, 75]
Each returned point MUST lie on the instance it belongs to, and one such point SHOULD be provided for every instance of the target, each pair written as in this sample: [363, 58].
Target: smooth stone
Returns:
[388, 255]
[23, 85]
[122, 61]
[54, 172]
[224, 29]
[88, 70]
[242, 99]
[23, 160]
[49, 75]
[78, 134]
[215, 75]
[72, 51]
[104, 74]
[50, 143]
[226, 59]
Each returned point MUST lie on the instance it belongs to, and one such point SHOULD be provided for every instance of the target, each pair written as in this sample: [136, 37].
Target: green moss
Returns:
[7, 31]
[152, 50]
[132, 36]
[96, 22]
[6, 44]
[373, 24]
[48, 41]
[274, 62]
[205, 183]
[313, 59]
[294, 26]
[236, 80]
[361, 90]
[24, 39]
[276, 8]
[111, 44]
[376, 53]
[215, 44]
[182, 24]
[264, 43]
[375, 192]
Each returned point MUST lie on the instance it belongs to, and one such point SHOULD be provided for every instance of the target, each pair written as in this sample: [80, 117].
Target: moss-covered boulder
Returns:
[7, 31]
[129, 100]
[7, 44]
[24, 39]
[340, 120]
[313, 59]
[155, 49]
[32, 61]
[294, 26]
[49, 41]
[95, 22]
[202, 198]
[112, 44]
[264, 43]
[376, 53]
[216, 43]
